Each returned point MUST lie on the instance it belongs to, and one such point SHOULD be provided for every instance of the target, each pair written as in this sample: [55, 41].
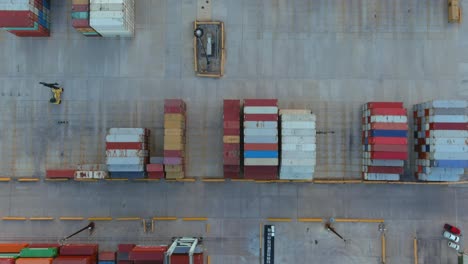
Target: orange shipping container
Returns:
[34, 261]
[12, 248]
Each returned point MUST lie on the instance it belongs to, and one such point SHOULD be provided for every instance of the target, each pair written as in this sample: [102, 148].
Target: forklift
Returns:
[56, 92]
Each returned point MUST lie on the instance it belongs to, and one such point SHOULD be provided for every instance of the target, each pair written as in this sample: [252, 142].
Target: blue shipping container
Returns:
[260, 154]
[388, 133]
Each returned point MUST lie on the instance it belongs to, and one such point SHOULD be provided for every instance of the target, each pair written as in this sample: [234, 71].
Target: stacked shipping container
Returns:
[148, 254]
[106, 257]
[80, 18]
[127, 152]
[91, 171]
[174, 138]
[25, 18]
[440, 137]
[384, 139]
[261, 139]
[231, 138]
[77, 254]
[113, 18]
[298, 148]
[155, 169]
[123, 253]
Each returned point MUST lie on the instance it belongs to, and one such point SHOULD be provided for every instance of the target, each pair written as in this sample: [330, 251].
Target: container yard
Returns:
[330, 131]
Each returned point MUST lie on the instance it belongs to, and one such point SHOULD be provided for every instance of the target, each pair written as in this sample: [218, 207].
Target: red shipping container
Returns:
[387, 141]
[174, 102]
[383, 169]
[126, 145]
[260, 102]
[388, 111]
[390, 148]
[149, 262]
[389, 155]
[231, 102]
[389, 126]
[154, 167]
[173, 110]
[231, 154]
[385, 105]
[79, 250]
[107, 255]
[125, 247]
[80, 23]
[125, 262]
[259, 146]
[231, 175]
[60, 173]
[12, 247]
[232, 131]
[231, 161]
[231, 124]
[7, 260]
[80, 8]
[73, 260]
[261, 172]
[231, 146]
[260, 117]
[231, 168]
[10, 18]
[448, 126]
[155, 175]
[147, 255]
[184, 259]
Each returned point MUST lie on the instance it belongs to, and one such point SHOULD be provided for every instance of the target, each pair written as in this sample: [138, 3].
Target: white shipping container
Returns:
[448, 119]
[298, 147]
[261, 139]
[127, 131]
[126, 168]
[297, 154]
[260, 162]
[125, 138]
[298, 132]
[389, 163]
[389, 119]
[448, 156]
[381, 177]
[298, 162]
[125, 161]
[445, 134]
[438, 177]
[298, 139]
[261, 132]
[260, 124]
[446, 104]
[260, 110]
[295, 112]
[446, 148]
[91, 167]
[289, 118]
[439, 170]
[296, 176]
[91, 175]
[15, 5]
[297, 169]
[298, 124]
[126, 153]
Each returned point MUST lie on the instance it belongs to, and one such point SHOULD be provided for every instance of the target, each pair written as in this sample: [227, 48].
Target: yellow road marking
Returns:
[165, 218]
[14, 218]
[71, 218]
[44, 218]
[100, 218]
[195, 218]
[314, 220]
[213, 180]
[28, 179]
[358, 220]
[128, 219]
[272, 219]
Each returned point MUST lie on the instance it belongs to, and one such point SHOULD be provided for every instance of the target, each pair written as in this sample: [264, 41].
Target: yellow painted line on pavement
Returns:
[264, 181]
[71, 218]
[358, 220]
[147, 180]
[337, 181]
[213, 180]
[301, 181]
[28, 179]
[100, 218]
[186, 180]
[415, 251]
[384, 253]
[207, 228]
[313, 220]
[14, 218]
[195, 218]
[273, 219]
[165, 218]
[57, 180]
[281, 181]
[86, 180]
[5, 179]
[128, 219]
[116, 180]
[242, 180]
[208, 260]
[41, 218]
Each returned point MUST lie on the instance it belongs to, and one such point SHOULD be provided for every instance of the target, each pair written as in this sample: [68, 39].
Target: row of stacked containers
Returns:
[22, 253]
[25, 18]
[440, 131]
[80, 18]
[385, 140]
[440, 140]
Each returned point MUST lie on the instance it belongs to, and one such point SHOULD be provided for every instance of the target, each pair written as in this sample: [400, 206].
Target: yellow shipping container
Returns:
[174, 117]
[231, 139]
[173, 124]
[175, 175]
[173, 168]
[174, 146]
[174, 131]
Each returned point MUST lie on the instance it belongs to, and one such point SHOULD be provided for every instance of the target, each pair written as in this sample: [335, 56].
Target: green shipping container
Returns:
[80, 15]
[9, 255]
[38, 252]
